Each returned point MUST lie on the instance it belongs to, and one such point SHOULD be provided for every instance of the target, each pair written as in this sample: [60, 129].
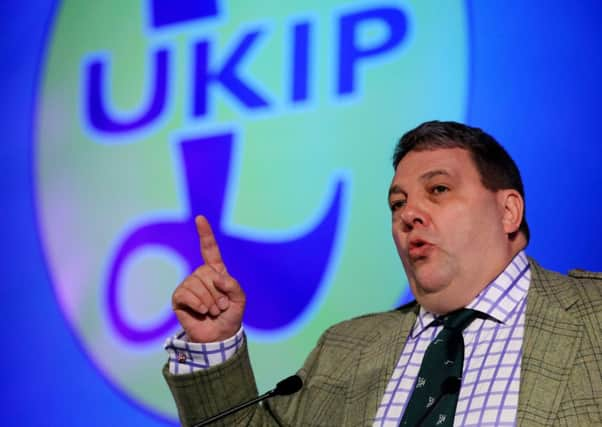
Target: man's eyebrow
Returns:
[395, 189]
[431, 174]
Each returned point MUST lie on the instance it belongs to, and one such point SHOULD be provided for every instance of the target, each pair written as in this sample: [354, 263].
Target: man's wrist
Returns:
[186, 357]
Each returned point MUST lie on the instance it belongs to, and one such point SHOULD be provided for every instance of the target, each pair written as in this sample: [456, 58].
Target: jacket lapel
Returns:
[552, 337]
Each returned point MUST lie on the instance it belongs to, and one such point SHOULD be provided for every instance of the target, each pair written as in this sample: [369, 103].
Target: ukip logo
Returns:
[213, 108]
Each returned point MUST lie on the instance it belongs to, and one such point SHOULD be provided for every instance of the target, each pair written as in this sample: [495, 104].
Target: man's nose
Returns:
[413, 215]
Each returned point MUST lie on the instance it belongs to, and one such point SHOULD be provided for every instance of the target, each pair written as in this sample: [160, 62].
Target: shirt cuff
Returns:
[186, 357]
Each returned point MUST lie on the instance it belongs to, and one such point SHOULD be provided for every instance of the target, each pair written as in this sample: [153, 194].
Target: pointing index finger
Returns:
[209, 249]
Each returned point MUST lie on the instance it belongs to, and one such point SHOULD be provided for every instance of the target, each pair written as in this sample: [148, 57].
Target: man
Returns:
[531, 354]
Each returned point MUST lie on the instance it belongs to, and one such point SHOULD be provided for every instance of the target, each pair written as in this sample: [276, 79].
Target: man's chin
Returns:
[429, 281]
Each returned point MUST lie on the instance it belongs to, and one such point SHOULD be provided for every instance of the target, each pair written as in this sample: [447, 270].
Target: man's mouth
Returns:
[419, 249]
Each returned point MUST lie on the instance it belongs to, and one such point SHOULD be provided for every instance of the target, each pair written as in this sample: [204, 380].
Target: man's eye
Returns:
[438, 189]
[397, 204]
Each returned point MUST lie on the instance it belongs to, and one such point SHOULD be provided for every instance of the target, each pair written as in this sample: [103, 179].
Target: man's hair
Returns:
[495, 166]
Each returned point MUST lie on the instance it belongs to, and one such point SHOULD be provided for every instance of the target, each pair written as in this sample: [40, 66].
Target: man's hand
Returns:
[209, 303]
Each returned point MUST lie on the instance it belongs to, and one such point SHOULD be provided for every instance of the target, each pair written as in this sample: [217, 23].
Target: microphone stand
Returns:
[287, 386]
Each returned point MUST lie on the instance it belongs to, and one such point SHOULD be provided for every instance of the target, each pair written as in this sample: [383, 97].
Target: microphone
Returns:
[450, 385]
[285, 387]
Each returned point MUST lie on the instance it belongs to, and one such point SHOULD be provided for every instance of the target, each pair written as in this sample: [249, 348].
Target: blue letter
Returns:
[226, 76]
[300, 65]
[350, 52]
[97, 112]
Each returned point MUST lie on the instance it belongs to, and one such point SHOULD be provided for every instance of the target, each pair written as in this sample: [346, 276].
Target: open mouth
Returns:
[417, 243]
[419, 249]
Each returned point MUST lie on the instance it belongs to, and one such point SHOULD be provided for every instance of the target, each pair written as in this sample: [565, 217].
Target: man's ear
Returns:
[513, 209]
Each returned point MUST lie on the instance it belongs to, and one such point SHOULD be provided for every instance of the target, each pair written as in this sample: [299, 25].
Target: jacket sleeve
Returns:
[202, 394]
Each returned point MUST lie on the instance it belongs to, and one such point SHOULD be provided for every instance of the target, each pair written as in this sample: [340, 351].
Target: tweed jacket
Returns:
[346, 374]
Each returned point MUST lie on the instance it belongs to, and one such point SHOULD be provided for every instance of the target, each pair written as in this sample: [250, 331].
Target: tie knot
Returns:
[459, 319]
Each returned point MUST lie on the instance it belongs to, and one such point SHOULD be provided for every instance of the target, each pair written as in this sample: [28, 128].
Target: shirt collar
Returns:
[497, 300]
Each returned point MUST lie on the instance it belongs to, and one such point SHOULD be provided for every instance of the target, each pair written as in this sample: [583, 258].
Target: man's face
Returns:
[448, 228]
